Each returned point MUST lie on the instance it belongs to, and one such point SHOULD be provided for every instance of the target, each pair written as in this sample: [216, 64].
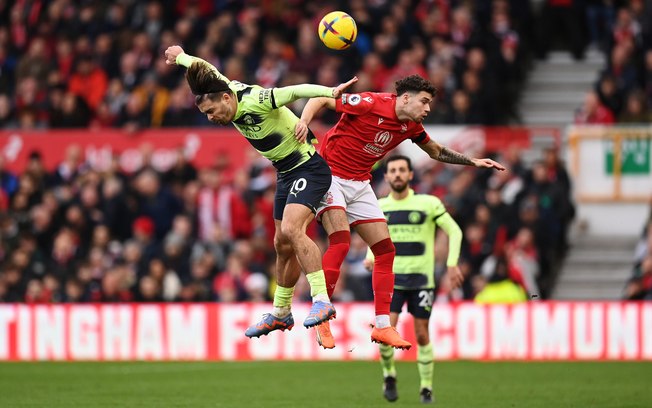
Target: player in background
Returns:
[413, 220]
[370, 126]
[303, 176]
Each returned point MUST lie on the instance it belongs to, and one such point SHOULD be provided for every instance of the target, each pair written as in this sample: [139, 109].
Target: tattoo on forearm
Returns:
[447, 155]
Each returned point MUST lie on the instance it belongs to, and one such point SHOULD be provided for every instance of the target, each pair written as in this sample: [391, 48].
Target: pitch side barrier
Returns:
[214, 331]
[202, 146]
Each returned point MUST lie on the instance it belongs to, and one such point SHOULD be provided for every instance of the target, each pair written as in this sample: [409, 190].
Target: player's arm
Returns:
[454, 232]
[175, 55]
[288, 94]
[311, 109]
[313, 106]
[446, 155]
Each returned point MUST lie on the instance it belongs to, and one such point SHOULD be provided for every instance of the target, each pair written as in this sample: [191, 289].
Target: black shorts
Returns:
[419, 302]
[305, 185]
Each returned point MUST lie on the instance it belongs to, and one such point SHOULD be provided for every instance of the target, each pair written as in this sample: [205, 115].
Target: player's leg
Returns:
[335, 223]
[420, 306]
[307, 186]
[387, 361]
[333, 218]
[369, 222]
[376, 235]
[287, 274]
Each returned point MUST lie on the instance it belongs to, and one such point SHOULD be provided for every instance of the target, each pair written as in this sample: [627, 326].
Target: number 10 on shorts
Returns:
[298, 186]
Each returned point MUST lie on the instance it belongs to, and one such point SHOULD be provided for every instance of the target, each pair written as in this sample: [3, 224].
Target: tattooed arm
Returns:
[446, 155]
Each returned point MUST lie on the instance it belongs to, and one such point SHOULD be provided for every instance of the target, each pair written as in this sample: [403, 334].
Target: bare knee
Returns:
[282, 245]
[423, 338]
[291, 232]
[422, 335]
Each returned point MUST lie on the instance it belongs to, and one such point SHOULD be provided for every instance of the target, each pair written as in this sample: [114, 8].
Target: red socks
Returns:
[383, 276]
[338, 247]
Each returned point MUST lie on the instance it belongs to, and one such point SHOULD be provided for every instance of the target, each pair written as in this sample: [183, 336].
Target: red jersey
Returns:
[367, 130]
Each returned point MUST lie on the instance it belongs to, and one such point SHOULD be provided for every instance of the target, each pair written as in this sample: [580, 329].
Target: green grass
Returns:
[321, 384]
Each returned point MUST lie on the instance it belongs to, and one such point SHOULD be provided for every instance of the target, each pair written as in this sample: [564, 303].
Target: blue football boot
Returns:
[269, 323]
[319, 312]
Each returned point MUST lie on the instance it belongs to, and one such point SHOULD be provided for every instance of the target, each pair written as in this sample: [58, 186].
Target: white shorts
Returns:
[356, 198]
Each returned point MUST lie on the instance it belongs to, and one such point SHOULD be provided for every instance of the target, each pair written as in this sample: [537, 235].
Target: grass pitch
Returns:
[321, 384]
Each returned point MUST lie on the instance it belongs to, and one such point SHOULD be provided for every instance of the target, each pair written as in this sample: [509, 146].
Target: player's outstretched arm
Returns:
[314, 105]
[174, 55]
[288, 94]
[446, 155]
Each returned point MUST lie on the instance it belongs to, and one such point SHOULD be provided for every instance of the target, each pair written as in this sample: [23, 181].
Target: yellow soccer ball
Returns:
[337, 30]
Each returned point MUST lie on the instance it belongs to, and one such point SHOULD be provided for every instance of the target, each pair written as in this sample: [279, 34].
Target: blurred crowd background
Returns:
[69, 64]
[77, 234]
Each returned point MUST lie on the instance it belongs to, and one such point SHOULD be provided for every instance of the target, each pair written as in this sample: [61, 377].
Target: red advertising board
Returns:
[200, 145]
[203, 145]
[529, 331]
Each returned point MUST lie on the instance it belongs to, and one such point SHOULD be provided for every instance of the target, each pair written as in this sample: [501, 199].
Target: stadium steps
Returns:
[595, 268]
[556, 87]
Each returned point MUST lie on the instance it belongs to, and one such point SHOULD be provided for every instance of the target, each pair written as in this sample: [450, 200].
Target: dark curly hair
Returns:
[415, 84]
[204, 82]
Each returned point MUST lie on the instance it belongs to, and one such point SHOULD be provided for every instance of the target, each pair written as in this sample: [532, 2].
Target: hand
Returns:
[369, 264]
[337, 91]
[301, 131]
[172, 53]
[488, 163]
[454, 277]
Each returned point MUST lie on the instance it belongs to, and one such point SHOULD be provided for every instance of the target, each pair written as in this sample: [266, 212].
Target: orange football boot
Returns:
[390, 337]
[324, 335]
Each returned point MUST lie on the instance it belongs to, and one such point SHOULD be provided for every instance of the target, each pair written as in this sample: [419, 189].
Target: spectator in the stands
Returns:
[592, 112]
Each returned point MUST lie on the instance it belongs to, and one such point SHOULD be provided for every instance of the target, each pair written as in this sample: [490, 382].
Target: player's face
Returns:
[398, 175]
[417, 106]
[220, 111]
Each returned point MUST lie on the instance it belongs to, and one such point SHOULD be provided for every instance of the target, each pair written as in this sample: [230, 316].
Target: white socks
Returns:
[382, 321]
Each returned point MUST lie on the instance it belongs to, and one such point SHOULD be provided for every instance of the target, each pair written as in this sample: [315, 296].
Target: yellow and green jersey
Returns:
[265, 121]
[412, 222]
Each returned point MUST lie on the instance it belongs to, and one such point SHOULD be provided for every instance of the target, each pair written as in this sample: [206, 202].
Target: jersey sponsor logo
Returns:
[383, 138]
[377, 148]
[380, 120]
[403, 127]
[354, 99]
[368, 99]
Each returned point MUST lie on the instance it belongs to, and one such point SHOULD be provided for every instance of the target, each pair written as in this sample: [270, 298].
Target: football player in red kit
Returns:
[371, 125]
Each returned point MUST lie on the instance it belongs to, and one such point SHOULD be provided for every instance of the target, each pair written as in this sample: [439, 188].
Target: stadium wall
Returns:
[212, 331]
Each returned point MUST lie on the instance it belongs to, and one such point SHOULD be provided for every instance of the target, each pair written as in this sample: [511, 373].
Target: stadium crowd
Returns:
[67, 64]
[77, 234]
[623, 90]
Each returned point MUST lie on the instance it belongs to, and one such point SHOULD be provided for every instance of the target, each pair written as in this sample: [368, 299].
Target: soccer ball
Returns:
[337, 30]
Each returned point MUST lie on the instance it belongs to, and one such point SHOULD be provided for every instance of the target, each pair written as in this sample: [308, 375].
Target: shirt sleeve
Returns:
[421, 136]
[187, 60]
[354, 104]
[283, 96]
[444, 220]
